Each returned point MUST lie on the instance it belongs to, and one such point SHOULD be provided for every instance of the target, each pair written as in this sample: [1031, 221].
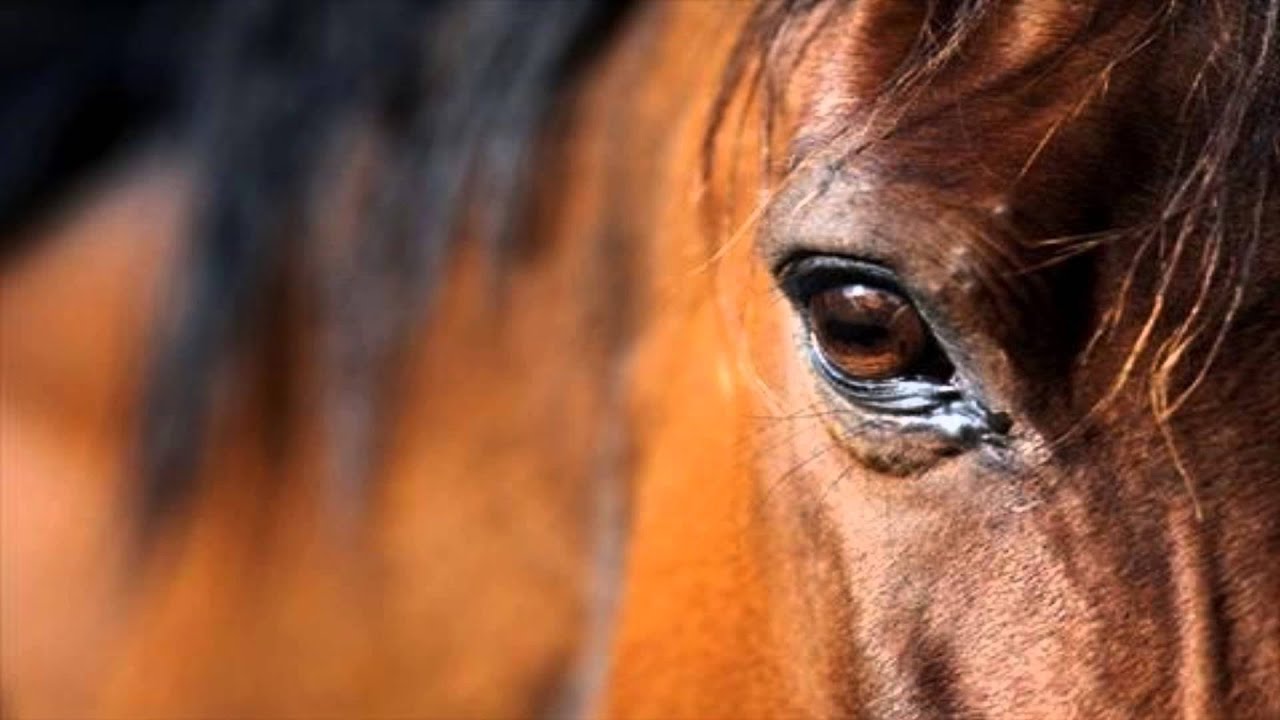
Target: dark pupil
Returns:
[866, 332]
[858, 335]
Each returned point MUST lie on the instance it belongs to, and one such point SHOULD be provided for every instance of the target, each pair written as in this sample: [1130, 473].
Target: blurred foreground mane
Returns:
[275, 98]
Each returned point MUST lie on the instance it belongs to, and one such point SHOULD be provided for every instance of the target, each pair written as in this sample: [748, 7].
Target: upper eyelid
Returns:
[786, 266]
[801, 275]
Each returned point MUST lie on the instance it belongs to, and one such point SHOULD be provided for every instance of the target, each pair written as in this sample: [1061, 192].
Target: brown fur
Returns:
[1026, 172]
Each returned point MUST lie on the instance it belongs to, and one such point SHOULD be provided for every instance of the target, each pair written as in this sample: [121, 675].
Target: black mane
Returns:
[267, 95]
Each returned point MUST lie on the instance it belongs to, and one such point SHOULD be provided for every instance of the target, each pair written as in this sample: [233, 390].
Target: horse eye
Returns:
[865, 332]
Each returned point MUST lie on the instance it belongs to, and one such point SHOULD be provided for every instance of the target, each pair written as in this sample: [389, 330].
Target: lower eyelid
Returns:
[952, 418]
[892, 396]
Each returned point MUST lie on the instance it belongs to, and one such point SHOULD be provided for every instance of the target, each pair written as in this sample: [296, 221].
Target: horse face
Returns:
[1008, 416]
[979, 425]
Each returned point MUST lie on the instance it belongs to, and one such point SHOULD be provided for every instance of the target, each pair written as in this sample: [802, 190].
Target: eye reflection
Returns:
[865, 332]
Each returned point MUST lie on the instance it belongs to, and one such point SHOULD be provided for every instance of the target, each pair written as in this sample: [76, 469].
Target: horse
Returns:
[784, 358]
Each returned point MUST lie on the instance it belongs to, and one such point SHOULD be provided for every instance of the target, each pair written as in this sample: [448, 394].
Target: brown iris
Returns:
[865, 332]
